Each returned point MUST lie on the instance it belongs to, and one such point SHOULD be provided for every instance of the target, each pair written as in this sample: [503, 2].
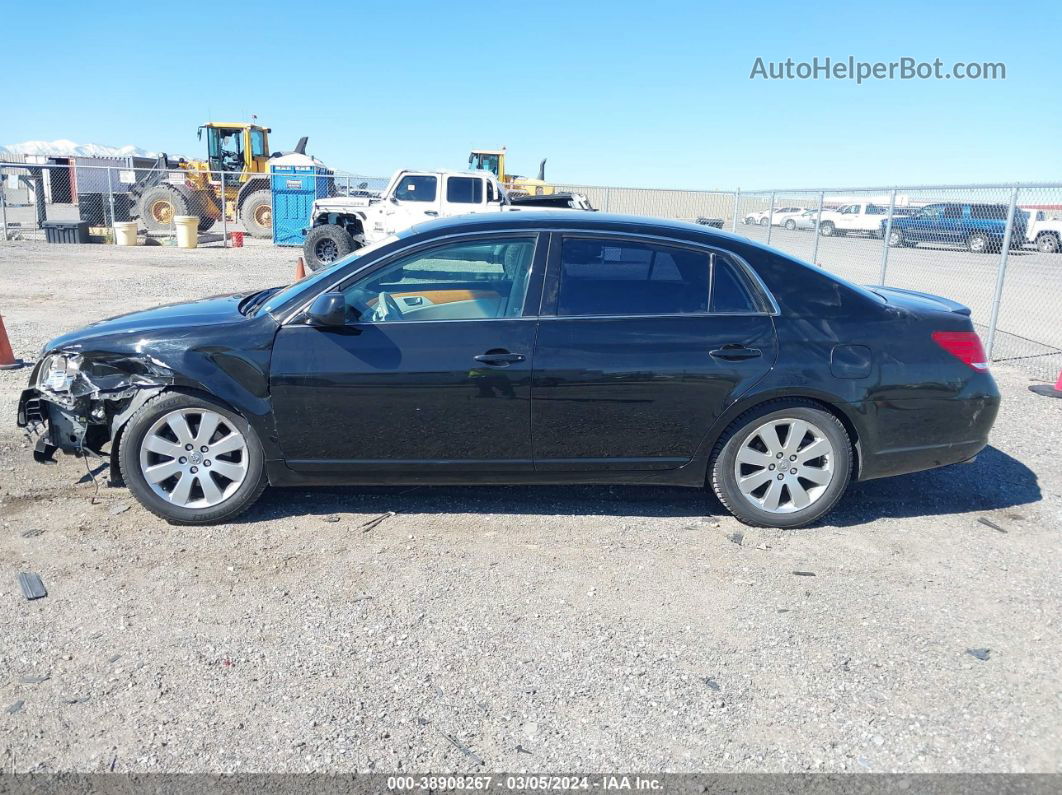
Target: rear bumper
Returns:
[912, 435]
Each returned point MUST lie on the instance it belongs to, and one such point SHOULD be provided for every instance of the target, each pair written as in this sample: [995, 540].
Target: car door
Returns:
[415, 198]
[954, 224]
[641, 345]
[923, 225]
[431, 374]
[464, 194]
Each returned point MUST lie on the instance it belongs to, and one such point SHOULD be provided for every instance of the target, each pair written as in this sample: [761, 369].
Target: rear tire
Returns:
[1047, 243]
[256, 214]
[764, 221]
[326, 244]
[216, 491]
[753, 475]
[790, 224]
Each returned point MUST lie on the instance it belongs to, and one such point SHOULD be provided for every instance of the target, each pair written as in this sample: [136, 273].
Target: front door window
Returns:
[468, 280]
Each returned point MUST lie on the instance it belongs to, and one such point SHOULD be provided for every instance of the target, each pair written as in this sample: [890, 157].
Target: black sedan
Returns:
[544, 347]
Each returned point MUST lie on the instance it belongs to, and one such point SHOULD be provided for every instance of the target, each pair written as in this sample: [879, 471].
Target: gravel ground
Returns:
[496, 628]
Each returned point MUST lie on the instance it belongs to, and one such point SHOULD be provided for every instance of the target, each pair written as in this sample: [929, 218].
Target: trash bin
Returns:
[66, 231]
[125, 233]
[187, 230]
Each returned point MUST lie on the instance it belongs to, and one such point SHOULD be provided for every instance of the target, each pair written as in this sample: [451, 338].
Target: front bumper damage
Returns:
[88, 411]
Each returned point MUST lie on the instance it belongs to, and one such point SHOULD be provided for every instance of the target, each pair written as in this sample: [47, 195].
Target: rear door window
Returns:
[619, 277]
[622, 277]
[464, 190]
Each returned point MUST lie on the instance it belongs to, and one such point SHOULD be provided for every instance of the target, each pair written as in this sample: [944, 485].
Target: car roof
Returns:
[571, 219]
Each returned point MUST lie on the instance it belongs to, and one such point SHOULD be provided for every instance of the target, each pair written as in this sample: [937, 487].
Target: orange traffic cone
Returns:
[300, 269]
[1040, 389]
[7, 356]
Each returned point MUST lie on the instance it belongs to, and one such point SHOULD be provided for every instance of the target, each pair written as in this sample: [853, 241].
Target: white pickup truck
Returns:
[341, 224]
[1044, 231]
[865, 217]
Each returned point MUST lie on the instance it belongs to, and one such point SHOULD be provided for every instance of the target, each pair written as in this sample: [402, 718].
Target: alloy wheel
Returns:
[326, 250]
[194, 458]
[784, 465]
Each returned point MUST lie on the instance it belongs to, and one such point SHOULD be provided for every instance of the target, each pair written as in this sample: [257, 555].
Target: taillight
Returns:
[965, 346]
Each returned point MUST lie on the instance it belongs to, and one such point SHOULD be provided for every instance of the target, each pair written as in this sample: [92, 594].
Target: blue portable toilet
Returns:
[295, 181]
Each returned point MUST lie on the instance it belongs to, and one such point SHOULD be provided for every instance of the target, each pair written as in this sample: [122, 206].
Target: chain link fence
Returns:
[994, 248]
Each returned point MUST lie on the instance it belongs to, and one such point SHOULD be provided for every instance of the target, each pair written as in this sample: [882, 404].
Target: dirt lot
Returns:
[516, 628]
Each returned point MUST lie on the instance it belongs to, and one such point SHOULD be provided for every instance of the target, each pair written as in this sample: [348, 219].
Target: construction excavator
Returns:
[236, 150]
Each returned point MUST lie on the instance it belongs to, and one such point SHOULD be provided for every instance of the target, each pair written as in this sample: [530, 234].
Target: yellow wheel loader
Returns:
[493, 160]
[194, 187]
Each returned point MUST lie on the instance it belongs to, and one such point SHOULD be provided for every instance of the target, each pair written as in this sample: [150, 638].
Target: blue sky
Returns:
[619, 93]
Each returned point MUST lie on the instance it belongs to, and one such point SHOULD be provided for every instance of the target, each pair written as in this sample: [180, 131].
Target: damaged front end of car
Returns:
[78, 402]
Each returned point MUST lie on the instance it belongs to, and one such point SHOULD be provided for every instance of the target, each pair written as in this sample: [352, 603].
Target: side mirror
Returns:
[328, 310]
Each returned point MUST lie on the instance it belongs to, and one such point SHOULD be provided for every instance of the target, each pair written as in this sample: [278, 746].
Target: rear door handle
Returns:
[734, 352]
[432, 213]
[500, 358]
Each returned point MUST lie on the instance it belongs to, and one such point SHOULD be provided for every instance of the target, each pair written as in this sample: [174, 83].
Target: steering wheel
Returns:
[386, 308]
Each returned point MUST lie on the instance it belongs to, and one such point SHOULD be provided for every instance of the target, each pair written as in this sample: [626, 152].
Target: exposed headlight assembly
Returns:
[58, 372]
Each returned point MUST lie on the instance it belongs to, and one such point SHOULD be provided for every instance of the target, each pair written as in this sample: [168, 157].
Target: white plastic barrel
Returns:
[125, 233]
[187, 230]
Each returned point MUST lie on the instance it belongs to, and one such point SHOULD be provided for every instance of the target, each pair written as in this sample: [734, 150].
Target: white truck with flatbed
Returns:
[342, 224]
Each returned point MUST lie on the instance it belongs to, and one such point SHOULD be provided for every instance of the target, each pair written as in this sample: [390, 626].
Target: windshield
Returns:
[481, 162]
[292, 290]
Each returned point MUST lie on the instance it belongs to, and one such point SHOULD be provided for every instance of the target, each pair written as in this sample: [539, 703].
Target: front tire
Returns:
[827, 229]
[158, 207]
[326, 244]
[978, 243]
[896, 239]
[191, 460]
[784, 464]
[256, 214]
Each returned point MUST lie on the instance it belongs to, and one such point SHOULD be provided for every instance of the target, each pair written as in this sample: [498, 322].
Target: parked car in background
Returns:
[763, 217]
[981, 228]
[1044, 232]
[805, 220]
[785, 214]
[647, 351]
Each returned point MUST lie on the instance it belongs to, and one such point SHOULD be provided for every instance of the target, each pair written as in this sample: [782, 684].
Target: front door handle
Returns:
[734, 352]
[499, 358]
[432, 213]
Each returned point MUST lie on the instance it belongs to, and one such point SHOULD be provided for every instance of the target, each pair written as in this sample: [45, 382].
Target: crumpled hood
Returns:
[185, 316]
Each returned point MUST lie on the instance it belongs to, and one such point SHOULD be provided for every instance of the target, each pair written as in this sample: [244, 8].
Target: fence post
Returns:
[885, 238]
[3, 207]
[224, 215]
[1001, 273]
[815, 231]
[770, 220]
[737, 207]
[110, 196]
